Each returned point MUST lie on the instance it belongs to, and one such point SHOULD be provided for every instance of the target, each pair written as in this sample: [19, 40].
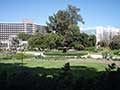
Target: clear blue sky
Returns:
[94, 12]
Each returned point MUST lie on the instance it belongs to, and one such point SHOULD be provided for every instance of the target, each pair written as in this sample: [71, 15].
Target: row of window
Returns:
[11, 24]
[8, 32]
[11, 28]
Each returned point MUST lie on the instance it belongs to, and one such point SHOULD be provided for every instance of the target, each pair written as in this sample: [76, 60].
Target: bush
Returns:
[93, 49]
[78, 47]
[66, 54]
[116, 52]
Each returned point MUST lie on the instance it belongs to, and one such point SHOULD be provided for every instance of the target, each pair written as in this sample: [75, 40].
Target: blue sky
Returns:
[94, 12]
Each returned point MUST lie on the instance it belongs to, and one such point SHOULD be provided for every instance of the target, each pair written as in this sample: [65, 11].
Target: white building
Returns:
[10, 30]
[106, 33]
[102, 32]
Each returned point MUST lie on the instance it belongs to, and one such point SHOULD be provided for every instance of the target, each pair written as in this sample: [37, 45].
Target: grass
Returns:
[60, 53]
[53, 62]
[52, 67]
[57, 63]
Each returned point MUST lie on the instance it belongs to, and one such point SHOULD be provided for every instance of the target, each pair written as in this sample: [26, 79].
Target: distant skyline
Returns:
[94, 12]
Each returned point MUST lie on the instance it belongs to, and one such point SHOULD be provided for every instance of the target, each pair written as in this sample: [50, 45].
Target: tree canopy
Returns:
[115, 42]
[62, 20]
[23, 36]
[63, 31]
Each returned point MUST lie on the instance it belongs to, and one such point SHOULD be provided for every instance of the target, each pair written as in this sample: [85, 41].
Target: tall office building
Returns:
[9, 30]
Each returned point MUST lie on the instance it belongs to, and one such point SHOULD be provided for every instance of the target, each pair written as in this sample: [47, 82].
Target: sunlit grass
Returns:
[57, 63]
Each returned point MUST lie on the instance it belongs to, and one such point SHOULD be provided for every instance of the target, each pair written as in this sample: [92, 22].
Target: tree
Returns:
[64, 23]
[91, 40]
[53, 40]
[63, 19]
[50, 41]
[37, 41]
[23, 36]
[14, 43]
[75, 17]
[83, 38]
[72, 35]
[62, 31]
[102, 43]
[115, 42]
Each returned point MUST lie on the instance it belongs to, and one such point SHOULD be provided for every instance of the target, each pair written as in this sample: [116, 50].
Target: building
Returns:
[9, 30]
[105, 33]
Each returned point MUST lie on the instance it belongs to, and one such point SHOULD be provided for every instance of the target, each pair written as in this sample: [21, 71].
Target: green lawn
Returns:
[51, 67]
[57, 63]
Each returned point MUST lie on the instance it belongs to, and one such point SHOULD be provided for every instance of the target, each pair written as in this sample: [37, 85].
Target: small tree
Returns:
[23, 36]
[115, 42]
[14, 44]
[102, 43]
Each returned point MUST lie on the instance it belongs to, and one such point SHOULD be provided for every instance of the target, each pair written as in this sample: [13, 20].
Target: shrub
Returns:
[106, 53]
[93, 49]
[79, 47]
[116, 52]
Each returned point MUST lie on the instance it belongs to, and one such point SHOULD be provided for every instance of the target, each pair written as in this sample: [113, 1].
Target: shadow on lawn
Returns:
[17, 77]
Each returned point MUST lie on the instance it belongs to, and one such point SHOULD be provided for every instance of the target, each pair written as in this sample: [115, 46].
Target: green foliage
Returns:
[111, 67]
[64, 22]
[62, 32]
[71, 36]
[84, 39]
[61, 21]
[91, 40]
[53, 40]
[102, 43]
[13, 76]
[114, 45]
[116, 52]
[60, 53]
[106, 53]
[37, 41]
[23, 36]
[91, 49]
[78, 46]
[115, 42]
[50, 41]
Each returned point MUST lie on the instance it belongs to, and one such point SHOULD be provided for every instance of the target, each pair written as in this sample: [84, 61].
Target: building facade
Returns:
[106, 33]
[9, 30]
[102, 33]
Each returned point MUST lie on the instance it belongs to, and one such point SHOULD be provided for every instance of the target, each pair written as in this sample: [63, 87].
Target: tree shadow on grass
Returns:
[83, 71]
[17, 77]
